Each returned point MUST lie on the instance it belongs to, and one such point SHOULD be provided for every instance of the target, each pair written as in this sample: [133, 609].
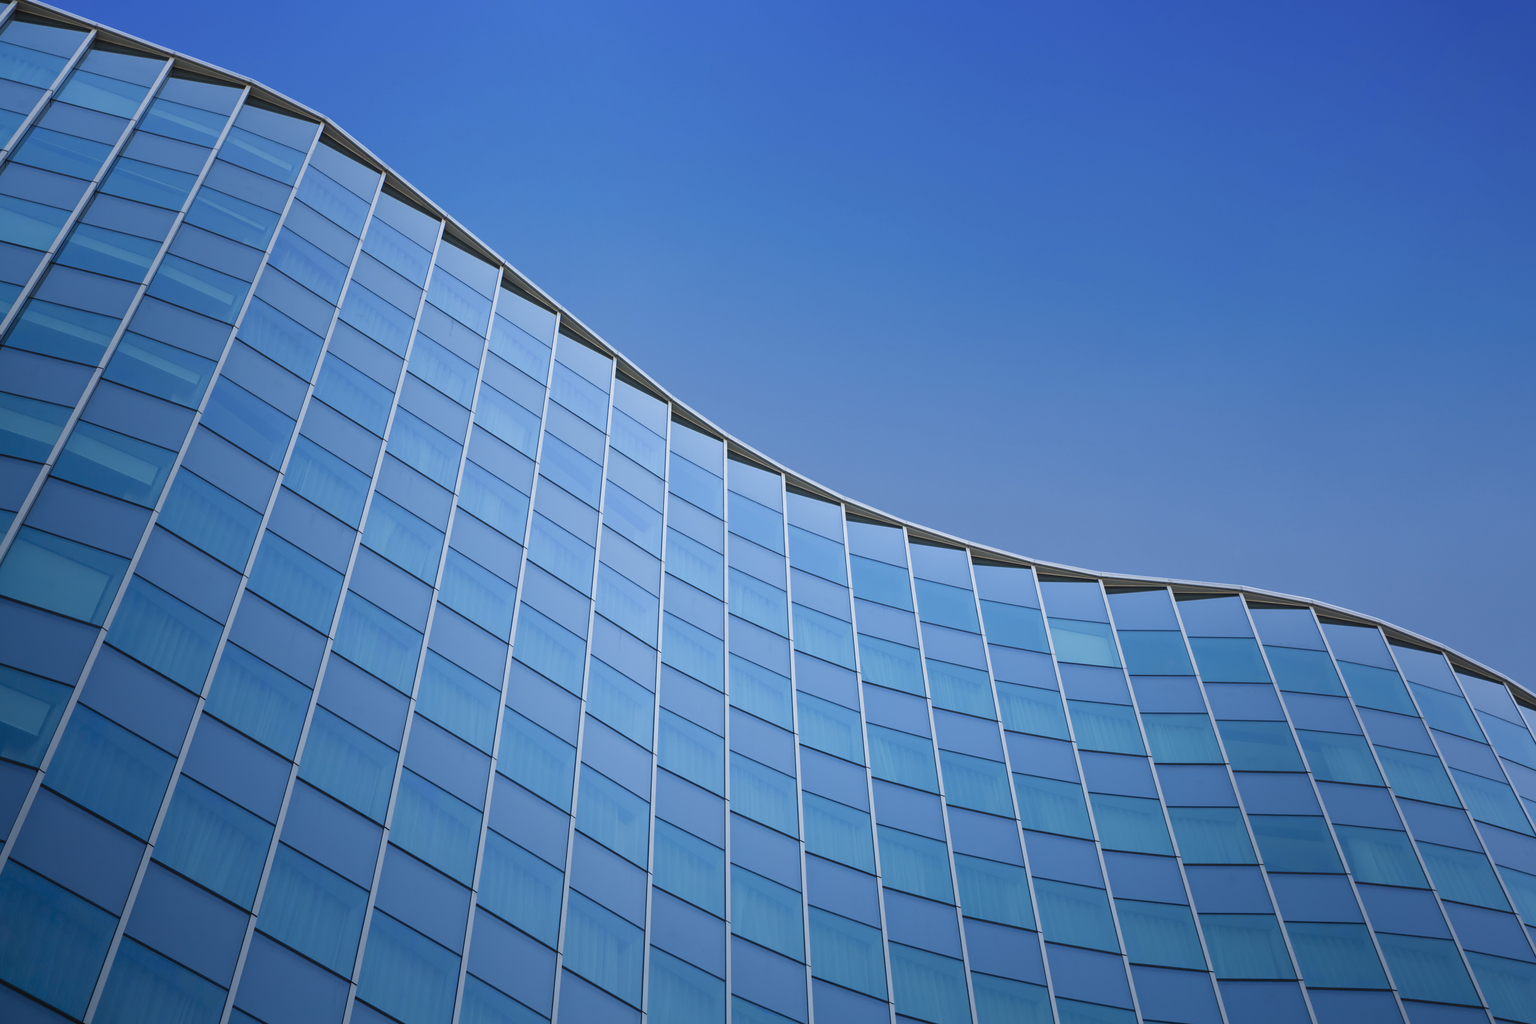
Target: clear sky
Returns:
[1219, 291]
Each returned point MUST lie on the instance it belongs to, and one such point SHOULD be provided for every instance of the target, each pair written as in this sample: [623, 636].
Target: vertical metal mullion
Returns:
[586, 667]
[369, 906]
[490, 782]
[1242, 803]
[502, 708]
[1157, 783]
[869, 774]
[794, 720]
[1328, 823]
[933, 732]
[650, 887]
[1013, 794]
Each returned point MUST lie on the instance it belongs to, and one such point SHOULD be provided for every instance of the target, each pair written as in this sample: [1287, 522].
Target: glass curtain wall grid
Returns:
[376, 644]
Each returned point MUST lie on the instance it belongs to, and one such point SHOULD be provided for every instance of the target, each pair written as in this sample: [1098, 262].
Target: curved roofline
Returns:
[733, 444]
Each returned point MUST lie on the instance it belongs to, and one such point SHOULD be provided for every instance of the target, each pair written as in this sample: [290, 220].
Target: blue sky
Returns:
[1230, 292]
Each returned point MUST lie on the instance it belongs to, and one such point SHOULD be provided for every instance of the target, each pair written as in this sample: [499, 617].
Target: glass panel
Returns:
[1261, 746]
[458, 701]
[520, 888]
[160, 370]
[1107, 727]
[199, 289]
[114, 464]
[847, 953]
[537, 760]
[682, 994]
[928, 986]
[347, 763]
[1032, 709]
[1049, 805]
[689, 867]
[1463, 875]
[406, 974]
[1131, 823]
[613, 816]
[479, 594]
[766, 912]
[54, 330]
[891, 664]
[1380, 856]
[61, 576]
[296, 582]
[1295, 842]
[1084, 643]
[1211, 835]
[622, 703]
[760, 691]
[30, 709]
[54, 943]
[902, 758]
[214, 842]
[1339, 757]
[436, 826]
[29, 428]
[109, 252]
[1247, 946]
[405, 539]
[838, 832]
[833, 728]
[1181, 739]
[945, 605]
[1336, 956]
[915, 864]
[108, 770]
[1417, 776]
[691, 751]
[1077, 915]
[763, 794]
[144, 985]
[878, 581]
[992, 891]
[260, 701]
[1427, 969]
[977, 783]
[314, 910]
[378, 642]
[547, 647]
[169, 636]
[604, 948]
[1160, 934]
[1229, 660]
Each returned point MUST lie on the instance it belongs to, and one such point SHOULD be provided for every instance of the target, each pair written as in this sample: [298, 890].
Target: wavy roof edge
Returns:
[735, 445]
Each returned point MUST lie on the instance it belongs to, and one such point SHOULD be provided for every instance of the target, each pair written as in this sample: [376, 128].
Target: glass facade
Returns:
[376, 644]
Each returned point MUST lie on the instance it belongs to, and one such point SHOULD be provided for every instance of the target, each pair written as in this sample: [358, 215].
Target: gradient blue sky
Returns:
[1230, 292]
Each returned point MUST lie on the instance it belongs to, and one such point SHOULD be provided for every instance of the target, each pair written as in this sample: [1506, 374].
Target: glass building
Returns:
[376, 643]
